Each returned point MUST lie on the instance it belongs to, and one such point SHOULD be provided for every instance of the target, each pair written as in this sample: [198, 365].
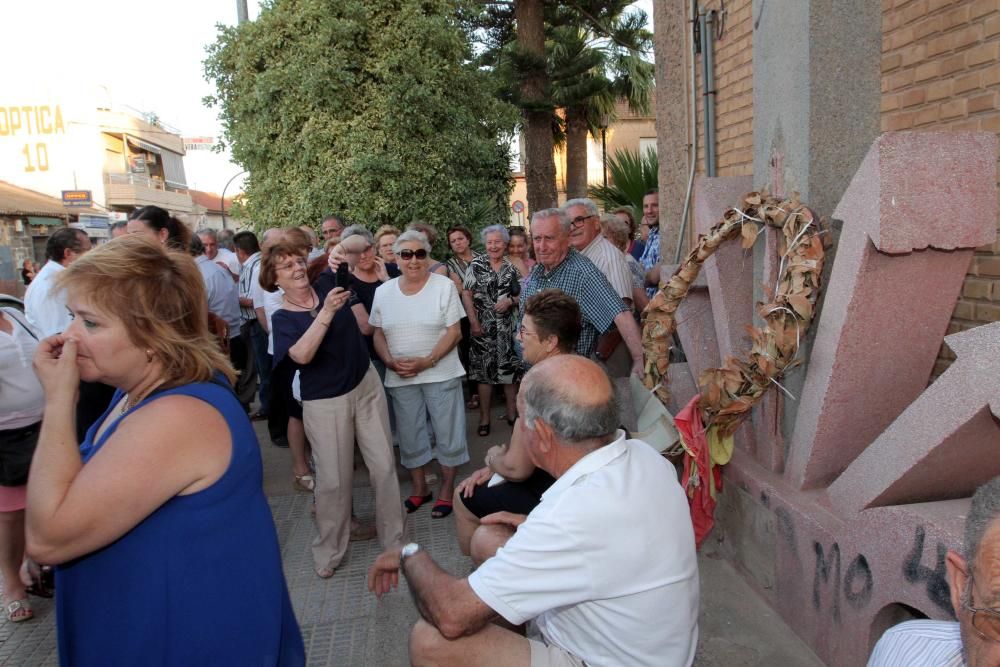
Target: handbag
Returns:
[655, 424]
[17, 447]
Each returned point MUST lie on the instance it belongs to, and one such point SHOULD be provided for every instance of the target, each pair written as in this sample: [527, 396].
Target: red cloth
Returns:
[698, 467]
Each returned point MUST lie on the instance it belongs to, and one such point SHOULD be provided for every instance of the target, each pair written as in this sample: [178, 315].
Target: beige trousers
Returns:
[332, 425]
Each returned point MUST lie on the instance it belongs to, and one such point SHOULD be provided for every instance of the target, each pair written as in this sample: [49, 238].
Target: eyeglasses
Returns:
[578, 220]
[985, 621]
[410, 254]
[524, 332]
[292, 264]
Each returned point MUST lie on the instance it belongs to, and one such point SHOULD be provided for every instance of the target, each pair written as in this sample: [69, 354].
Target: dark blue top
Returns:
[364, 293]
[197, 582]
[638, 246]
[341, 360]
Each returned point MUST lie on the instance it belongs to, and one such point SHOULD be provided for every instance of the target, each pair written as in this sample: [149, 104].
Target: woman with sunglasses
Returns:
[416, 319]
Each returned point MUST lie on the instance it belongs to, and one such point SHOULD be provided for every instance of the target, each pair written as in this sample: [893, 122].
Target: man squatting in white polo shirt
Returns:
[604, 566]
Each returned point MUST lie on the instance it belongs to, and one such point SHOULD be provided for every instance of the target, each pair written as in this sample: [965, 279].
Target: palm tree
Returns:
[631, 176]
[593, 66]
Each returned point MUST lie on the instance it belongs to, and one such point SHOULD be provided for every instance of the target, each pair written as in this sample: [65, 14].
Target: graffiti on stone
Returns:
[856, 585]
[914, 571]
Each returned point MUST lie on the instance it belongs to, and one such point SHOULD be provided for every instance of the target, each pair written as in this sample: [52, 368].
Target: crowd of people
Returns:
[138, 367]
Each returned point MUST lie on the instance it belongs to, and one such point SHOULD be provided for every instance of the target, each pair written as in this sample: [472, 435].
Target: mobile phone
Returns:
[343, 275]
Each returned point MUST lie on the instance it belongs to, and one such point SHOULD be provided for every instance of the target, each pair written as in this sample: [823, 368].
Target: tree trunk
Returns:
[539, 165]
[576, 152]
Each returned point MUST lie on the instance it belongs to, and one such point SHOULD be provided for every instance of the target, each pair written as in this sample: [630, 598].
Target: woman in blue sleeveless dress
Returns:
[166, 547]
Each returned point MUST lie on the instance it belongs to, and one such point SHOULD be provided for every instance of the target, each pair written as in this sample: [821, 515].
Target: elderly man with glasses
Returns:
[974, 580]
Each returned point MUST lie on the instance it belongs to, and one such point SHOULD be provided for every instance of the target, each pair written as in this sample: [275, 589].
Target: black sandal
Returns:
[484, 430]
[43, 581]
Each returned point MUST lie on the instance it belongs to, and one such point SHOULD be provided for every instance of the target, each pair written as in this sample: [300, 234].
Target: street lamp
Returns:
[603, 123]
[222, 199]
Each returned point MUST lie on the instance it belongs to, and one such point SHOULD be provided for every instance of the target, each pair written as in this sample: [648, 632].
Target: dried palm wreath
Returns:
[728, 393]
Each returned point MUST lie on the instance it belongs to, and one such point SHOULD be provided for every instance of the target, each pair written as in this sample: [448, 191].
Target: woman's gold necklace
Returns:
[130, 403]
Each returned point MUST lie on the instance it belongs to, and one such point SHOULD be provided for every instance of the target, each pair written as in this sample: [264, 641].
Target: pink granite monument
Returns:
[848, 537]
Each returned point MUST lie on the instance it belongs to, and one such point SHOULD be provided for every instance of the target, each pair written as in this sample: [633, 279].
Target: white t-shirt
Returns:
[21, 395]
[605, 564]
[45, 307]
[414, 324]
[229, 258]
[271, 303]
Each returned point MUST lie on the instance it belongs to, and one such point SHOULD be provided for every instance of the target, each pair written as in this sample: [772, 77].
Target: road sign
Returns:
[517, 206]
[77, 198]
[199, 143]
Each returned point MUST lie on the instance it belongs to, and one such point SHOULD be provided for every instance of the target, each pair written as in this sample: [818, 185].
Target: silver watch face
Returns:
[410, 549]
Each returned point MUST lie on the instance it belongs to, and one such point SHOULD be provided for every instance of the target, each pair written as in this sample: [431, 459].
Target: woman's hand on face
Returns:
[335, 300]
[55, 365]
[503, 304]
[380, 271]
[469, 484]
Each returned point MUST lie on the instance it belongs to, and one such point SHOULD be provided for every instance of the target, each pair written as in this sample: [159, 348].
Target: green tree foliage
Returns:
[630, 176]
[596, 61]
[595, 55]
[371, 108]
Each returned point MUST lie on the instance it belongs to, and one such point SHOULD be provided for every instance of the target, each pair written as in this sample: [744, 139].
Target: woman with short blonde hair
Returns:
[384, 249]
[160, 511]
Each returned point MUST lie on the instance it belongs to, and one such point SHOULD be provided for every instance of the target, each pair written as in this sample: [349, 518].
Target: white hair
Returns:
[557, 213]
[495, 229]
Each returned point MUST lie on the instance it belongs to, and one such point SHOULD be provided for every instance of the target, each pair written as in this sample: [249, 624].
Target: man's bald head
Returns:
[574, 396]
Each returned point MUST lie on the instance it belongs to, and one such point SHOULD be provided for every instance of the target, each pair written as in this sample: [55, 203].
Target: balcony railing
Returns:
[146, 182]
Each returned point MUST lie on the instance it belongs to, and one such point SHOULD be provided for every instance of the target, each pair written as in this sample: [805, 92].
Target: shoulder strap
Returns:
[14, 315]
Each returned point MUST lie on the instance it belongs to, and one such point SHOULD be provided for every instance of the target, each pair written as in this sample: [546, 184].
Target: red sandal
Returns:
[413, 503]
[441, 509]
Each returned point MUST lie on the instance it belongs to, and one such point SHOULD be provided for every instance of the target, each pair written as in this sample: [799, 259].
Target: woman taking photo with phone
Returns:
[342, 398]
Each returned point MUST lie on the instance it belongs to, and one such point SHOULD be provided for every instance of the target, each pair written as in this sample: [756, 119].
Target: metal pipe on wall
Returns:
[708, 83]
[693, 115]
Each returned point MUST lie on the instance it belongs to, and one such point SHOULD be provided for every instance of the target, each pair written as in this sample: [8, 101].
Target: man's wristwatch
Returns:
[407, 551]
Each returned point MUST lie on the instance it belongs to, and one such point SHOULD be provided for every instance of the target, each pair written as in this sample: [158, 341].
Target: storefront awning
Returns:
[94, 221]
[139, 144]
[38, 220]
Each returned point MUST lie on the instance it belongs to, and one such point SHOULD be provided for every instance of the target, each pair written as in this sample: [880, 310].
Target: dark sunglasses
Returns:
[410, 254]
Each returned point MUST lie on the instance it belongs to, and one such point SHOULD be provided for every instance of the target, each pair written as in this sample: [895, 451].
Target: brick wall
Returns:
[734, 92]
[941, 71]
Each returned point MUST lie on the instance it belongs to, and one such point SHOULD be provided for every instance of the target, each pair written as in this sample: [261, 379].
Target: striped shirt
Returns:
[611, 261]
[919, 644]
[578, 277]
[249, 273]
